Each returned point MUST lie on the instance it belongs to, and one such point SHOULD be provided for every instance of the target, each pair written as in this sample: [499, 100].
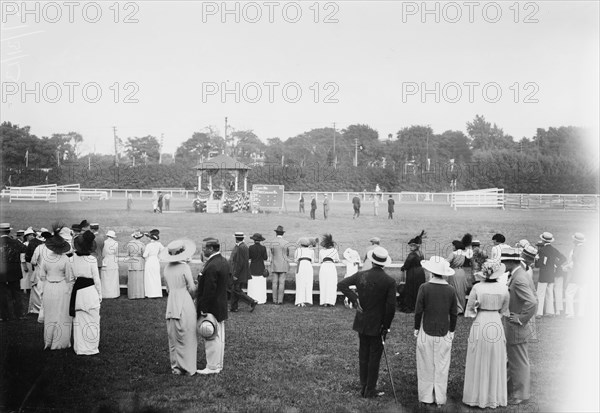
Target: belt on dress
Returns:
[54, 282]
[303, 258]
[327, 259]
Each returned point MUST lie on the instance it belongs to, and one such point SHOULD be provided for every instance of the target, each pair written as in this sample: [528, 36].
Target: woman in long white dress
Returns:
[328, 277]
[181, 312]
[135, 266]
[304, 257]
[56, 293]
[86, 296]
[35, 297]
[485, 369]
[152, 284]
[110, 266]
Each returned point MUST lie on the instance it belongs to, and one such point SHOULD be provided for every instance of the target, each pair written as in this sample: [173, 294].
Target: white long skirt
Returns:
[257, 288]
[57, 321]
[327, 283]
[304, 283]
[152, 285]
[86, 326]
[109, 278]
[433, 363]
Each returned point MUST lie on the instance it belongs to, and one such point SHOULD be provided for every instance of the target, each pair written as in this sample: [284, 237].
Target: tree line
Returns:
[554, 160]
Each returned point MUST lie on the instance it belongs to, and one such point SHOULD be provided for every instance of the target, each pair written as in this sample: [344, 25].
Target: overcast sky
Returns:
[360, 62]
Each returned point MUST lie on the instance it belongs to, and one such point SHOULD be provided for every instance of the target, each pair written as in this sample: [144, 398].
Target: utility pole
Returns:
[116, 146]
[225, 137]
[334, 154]
[162, 139]
[356, 152]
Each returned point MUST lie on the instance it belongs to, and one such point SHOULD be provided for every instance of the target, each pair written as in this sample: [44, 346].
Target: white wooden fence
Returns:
[481, 198]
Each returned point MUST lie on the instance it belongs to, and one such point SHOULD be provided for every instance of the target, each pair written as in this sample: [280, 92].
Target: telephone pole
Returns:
[116, 145]
[356, 152]
[225, 136]
[334, 154]
[162, 139]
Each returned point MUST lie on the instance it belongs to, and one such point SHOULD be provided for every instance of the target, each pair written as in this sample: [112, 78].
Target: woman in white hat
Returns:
[304, 257]
[435, 321]
[135, 266]
[110, 266]
[328, 278]
[181, 312]
[485, 383]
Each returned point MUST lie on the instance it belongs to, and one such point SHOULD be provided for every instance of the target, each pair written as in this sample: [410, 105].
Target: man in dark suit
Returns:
[522, 306]
[240, 273]
[10, 273]
[391, 203]
[212, 299]
[313, 207]
[549, 261]
[356, 206]
[375, 308]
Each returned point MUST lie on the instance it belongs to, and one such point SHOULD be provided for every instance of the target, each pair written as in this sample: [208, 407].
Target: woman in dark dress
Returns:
[257, 285]
[415, 274]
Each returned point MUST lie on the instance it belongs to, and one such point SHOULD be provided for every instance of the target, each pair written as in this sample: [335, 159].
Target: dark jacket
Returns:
[549, 260]
[239, 261]
[33, 244]
[377, 292]
[391, 203]
[258, 256]
[212, 288]
[10, 259]
[313, 204]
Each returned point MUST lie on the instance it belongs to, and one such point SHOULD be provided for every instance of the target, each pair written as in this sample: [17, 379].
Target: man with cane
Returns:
[375, 303]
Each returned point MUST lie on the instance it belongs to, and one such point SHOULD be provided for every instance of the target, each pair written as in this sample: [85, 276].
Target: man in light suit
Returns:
[212, 299]
[279, 252]
[522, 306]
[240, 273]
[375, 309]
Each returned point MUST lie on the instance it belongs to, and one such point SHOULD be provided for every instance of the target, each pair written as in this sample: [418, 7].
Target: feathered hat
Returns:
[467, 240]
[327, 241]
[418, 240]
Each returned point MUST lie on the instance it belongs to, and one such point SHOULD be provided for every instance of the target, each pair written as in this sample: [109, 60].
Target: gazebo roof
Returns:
[222, 162]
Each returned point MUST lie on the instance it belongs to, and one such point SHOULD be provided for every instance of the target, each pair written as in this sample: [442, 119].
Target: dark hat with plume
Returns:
[327, 241]
[418, 240]
[467, 239]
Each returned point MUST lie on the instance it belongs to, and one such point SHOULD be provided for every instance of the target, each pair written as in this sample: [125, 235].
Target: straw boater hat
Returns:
[529, 253]
[279, 230]
[58, 244]
[476, 243]
[522, 243]
[110, 233]
[76, 228]
[437, 265]
[510, 254]
[257, 237]
[137, 234]
[239, 234]
[547, 237]
[94, 226]
[492, 269]
[84, 244]
[178, 250]
[20, 232]
[29, 231]
[207, 326]
[579, 237]
[5, 227]
[379, 256]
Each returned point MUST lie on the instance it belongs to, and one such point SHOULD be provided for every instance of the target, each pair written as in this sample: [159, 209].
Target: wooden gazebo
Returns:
[223, 163]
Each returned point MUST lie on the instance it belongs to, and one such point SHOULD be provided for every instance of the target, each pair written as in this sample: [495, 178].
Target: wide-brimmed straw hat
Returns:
[522, 243]
[492, 269]
[29, 231]
[207, 326]
[579, 237]
[379, 256]
[58, 245]
[351, 255]
[510, 254]
[547, 237]
[178, 250]
[110, 233]
[437, 265]
[257, 237]
[137, 234]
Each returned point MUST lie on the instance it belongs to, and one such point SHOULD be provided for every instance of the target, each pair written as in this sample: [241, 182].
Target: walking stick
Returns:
[389, 371]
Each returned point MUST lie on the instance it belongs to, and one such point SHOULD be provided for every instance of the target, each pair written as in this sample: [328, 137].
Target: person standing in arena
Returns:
[313, 207]
[326, 207]
[240, 273]
[391, 204]
[356, 206]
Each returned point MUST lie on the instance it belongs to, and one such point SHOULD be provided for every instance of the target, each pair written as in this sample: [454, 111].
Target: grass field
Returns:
[279, 358]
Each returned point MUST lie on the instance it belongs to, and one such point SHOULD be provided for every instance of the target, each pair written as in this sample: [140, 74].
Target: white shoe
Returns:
[208, 371]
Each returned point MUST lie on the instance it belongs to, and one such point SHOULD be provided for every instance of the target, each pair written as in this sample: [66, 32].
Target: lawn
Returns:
[279, 358]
